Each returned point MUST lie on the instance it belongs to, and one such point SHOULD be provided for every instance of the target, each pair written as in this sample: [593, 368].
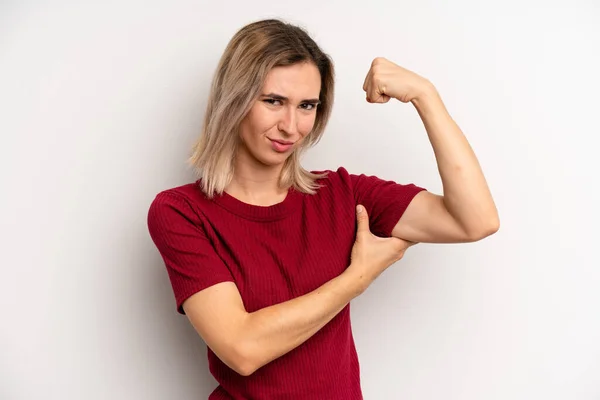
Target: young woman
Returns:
[264, 256]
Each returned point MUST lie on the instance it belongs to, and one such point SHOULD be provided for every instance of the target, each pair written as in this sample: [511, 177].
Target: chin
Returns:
[273, 160]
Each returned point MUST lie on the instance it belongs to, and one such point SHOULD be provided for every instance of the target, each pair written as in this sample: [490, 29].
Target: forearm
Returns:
[466, 193]
[273, 331]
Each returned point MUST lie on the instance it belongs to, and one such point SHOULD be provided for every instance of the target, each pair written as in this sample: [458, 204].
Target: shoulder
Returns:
[364, 184]
[333, 177]
[342, 181]
[334, 185]
[179, 201]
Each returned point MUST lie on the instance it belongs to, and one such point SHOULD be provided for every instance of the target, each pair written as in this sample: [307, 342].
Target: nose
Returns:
[288, 123]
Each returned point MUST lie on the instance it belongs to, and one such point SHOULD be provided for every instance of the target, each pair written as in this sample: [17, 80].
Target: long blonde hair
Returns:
[251, 53]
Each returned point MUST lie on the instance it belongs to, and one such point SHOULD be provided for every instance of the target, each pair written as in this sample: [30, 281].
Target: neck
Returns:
[256, 183]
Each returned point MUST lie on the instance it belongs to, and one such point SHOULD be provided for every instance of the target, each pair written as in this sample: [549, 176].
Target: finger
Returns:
[378, 95]
[380, 90]
[383, 98]
[373, 94]
[367, 80]
[370, 93]
[374, 91]
[362, 218]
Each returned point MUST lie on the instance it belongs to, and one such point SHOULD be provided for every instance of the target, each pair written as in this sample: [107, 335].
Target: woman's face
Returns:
[282, 115]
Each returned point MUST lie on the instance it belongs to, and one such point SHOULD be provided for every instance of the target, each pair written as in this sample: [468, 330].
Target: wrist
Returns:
[355, 280]
[426, 92]
[428, 101]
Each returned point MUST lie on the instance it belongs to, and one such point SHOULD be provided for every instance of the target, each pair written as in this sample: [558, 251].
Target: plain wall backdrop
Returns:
[101, 102]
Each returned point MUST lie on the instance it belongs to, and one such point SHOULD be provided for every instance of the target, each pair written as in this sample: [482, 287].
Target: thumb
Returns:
[362, 218]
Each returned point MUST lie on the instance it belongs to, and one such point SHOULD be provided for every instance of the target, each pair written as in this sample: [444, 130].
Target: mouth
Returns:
[283, 142]
[281, 146]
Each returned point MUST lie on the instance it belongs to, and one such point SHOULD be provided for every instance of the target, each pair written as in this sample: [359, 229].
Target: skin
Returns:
[257, 165]
[465, 212]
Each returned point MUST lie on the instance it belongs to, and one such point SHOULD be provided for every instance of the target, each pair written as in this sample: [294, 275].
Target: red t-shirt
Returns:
[274, 254]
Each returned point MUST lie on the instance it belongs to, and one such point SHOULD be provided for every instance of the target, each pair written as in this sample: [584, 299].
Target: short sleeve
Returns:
[384, 200]
[190, 259]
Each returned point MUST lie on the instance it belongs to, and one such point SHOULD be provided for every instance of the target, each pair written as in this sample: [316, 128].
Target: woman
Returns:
[264, 256]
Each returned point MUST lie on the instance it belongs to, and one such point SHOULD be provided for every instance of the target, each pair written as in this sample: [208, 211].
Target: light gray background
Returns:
[100, 104]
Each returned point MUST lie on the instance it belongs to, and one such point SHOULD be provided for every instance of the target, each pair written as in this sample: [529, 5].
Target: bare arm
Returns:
[466, 211]
[247, 341]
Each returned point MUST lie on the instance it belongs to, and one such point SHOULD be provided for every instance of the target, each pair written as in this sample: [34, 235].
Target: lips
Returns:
[281, 146]
[283, 142]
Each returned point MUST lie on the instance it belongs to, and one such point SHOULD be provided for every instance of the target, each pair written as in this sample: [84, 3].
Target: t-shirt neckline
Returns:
[280, 210]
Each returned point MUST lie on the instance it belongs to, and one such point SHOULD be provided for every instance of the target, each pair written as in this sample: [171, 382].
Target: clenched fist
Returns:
[387, 80]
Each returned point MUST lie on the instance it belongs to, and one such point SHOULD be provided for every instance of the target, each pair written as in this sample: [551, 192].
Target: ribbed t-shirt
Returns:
[274, 254]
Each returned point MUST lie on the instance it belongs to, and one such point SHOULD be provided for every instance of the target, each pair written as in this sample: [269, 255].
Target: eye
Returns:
[272, 102]
[308, 106]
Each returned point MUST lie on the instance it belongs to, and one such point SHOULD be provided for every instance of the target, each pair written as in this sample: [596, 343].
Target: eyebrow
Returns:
[283, 98]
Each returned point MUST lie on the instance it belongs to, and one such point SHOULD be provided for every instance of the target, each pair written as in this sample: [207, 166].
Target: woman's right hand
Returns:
[371, 255]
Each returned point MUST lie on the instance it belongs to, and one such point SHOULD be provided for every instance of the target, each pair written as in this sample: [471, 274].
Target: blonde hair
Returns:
[251, 53]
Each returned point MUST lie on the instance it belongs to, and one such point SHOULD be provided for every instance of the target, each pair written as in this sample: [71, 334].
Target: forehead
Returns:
[297, 81]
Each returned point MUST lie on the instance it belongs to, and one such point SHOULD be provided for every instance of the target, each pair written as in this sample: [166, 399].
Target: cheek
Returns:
[244, 131]
[306, 124]
[253, 125]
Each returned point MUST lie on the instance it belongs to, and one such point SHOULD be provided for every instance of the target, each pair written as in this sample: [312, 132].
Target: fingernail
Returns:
[359, 209]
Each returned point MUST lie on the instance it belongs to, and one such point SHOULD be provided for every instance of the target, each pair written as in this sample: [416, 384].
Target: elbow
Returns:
[483, 230]
[243, 369]
[240, 352]
[241, 360]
